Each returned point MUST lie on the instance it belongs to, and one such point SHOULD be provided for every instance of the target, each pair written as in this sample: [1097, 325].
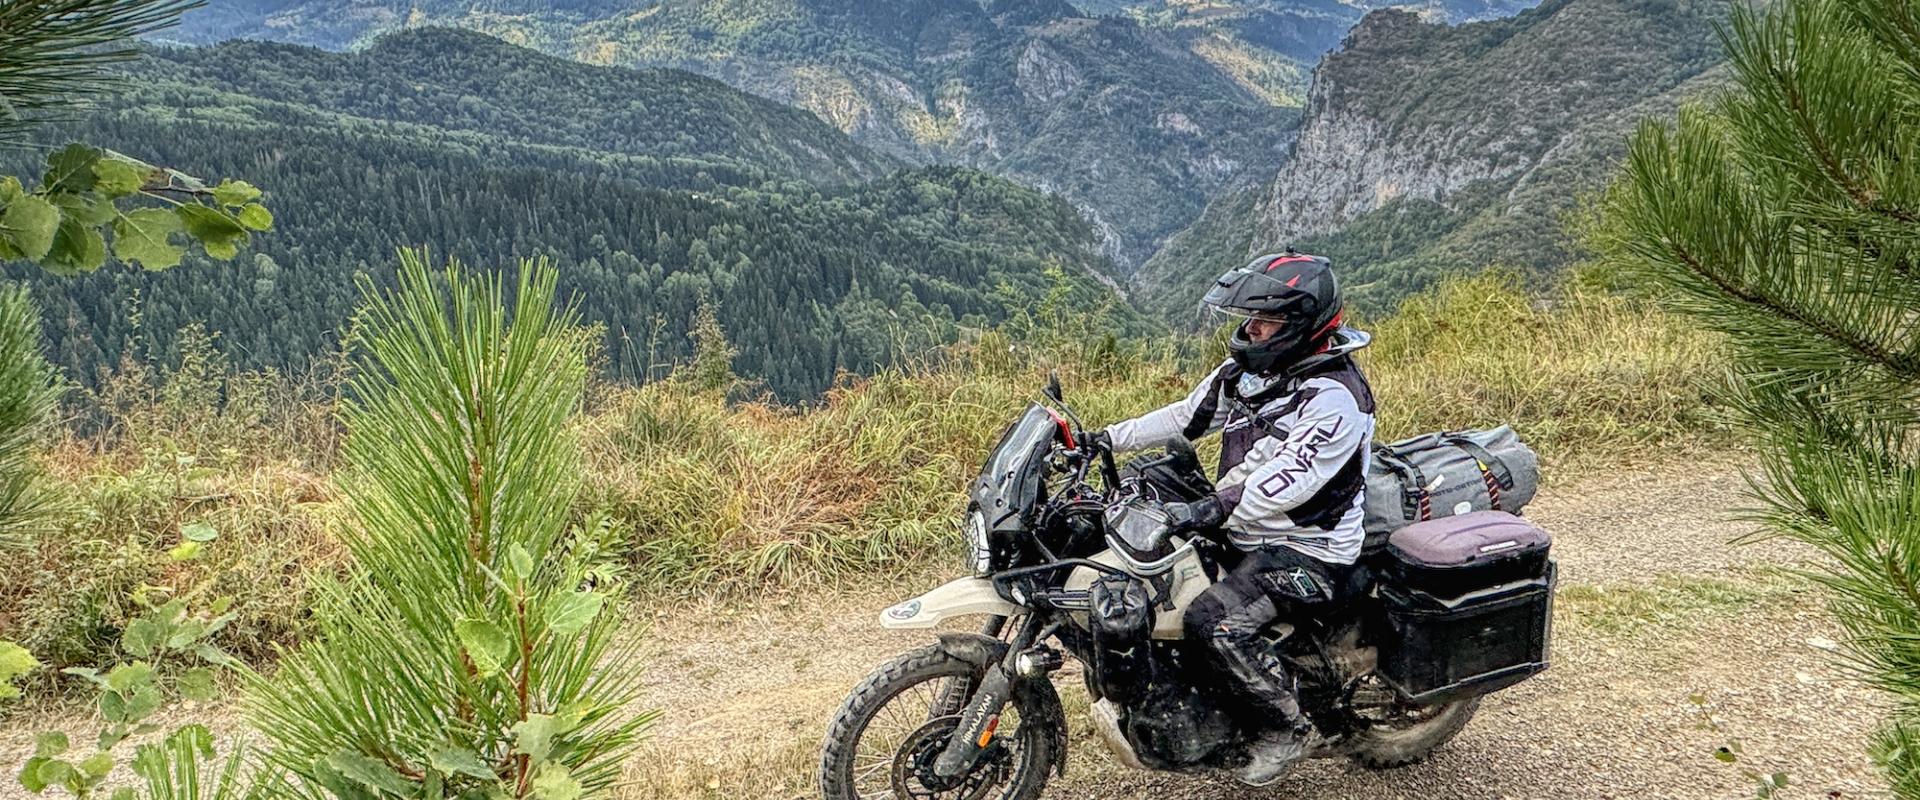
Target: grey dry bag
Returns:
[1448, 473]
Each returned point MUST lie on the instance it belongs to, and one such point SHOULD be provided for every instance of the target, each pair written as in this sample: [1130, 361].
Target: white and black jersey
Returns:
[1294, 449]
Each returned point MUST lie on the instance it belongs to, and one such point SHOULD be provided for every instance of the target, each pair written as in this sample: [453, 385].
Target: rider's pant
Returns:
[1268, 584]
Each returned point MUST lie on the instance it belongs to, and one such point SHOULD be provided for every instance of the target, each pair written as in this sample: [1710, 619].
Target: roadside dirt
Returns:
[746, 690]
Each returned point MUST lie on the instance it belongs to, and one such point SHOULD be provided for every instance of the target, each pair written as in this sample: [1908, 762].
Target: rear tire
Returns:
[847, 772]
[1387, 745]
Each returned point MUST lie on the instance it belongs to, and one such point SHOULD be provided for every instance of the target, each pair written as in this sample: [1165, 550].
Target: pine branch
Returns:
[53, 52]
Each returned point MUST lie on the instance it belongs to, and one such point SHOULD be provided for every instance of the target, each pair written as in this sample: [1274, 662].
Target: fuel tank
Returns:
[1172, 583]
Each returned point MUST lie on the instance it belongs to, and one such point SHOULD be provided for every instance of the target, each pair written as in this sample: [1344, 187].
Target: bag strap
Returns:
[1415, 504]
[1489, 463]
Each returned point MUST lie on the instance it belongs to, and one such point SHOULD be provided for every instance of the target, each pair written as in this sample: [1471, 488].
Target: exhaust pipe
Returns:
[1106, 722]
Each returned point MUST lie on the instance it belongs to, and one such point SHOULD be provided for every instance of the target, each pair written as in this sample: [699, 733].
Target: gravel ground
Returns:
[746, 688]
[746, 693]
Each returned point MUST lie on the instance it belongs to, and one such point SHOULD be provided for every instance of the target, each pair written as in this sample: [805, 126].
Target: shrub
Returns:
[469, 649]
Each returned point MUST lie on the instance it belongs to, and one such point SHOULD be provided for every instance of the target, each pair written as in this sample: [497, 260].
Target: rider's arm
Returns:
[1168, 423]
[1330, 428]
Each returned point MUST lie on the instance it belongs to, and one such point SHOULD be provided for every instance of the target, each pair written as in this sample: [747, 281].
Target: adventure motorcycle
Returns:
[1065, 566]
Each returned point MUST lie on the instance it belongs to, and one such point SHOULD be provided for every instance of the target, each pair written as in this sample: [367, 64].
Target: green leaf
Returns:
[184, 551]
[85, 209]
[145, 237]
[71, 169]
[142, 637]
[217, 231]
[118, 177]
[142, 703]
[220, 604]
[461, 761]
[53, 772]
[197, 684]
[49, 744]
[123, 793]
[31, 223]
[113, 706]
[486, 643]
[185, 634]
[553, 781]
[370, 773]
[234, 193]
[126, 678]
[15, 661]
[77, 248]
[10, 189]
[214, 625]
[89, 673]
[1725, 755]
[198, 532]
[534, 735]
[112, 735]
[30, 774]
[519, 562]
[95, 767]
[213, 655]
[223, 250]
[256, 217]
[572, 612]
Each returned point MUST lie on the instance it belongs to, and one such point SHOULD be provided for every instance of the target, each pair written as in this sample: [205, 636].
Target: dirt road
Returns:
[1656, 606]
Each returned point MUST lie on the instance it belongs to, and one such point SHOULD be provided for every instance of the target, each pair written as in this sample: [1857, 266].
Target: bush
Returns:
[1587, 377]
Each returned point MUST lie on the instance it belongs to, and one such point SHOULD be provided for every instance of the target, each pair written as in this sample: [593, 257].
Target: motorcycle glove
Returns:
[1096, 440]
[1203, 515]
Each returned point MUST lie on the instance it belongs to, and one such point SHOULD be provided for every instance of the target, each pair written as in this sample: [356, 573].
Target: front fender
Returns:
[956, 598]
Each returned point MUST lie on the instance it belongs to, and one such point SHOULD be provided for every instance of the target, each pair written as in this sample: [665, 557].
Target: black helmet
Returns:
[1294, 289]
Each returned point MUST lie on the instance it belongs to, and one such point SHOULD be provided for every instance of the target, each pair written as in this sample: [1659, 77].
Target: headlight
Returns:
[977, 540]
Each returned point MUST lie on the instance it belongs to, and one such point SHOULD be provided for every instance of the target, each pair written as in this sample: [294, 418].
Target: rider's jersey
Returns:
[1295, 476]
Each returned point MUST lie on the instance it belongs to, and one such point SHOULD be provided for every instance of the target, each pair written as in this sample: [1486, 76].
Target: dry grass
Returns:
[720, 496]
[724, 496]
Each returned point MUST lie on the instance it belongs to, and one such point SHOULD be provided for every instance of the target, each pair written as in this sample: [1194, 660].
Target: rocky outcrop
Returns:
[1409, 110]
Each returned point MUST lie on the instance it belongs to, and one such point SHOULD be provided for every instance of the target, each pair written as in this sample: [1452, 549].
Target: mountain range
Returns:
[657, 192]
[1425, 144]
[1134, 122]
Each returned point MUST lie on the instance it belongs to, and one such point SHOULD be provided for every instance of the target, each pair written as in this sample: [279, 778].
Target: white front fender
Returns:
[957, 598]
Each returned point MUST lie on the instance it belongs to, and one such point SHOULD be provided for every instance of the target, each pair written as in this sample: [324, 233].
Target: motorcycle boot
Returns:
[1264, 679]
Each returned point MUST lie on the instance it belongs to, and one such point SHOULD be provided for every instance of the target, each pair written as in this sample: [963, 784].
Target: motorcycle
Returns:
[1065, 564]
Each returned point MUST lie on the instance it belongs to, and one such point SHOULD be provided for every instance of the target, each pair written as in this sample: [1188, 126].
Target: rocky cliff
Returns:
[1476, 135]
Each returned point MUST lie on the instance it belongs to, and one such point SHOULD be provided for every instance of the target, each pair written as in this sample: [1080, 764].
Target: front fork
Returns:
[1022, 661]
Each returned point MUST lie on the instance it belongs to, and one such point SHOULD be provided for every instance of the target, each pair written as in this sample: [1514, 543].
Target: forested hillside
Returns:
[654, 191]
[1126, 120]
[1429, 149]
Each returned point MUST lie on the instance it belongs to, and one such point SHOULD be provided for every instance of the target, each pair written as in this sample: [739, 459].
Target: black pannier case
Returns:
[1468, 603]
[1440, 649]
[1451, 556]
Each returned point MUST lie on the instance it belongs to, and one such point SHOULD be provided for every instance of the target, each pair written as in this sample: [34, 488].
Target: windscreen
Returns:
[1010, 481]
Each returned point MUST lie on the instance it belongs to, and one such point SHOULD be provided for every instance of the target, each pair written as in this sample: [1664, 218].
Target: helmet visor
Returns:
[1221, 315]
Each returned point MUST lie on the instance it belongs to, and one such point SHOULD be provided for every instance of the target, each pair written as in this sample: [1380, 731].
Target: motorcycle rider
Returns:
[1297, 422]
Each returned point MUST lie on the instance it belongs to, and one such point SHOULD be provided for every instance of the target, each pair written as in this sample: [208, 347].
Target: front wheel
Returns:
[1407, 734]
[883, 741]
